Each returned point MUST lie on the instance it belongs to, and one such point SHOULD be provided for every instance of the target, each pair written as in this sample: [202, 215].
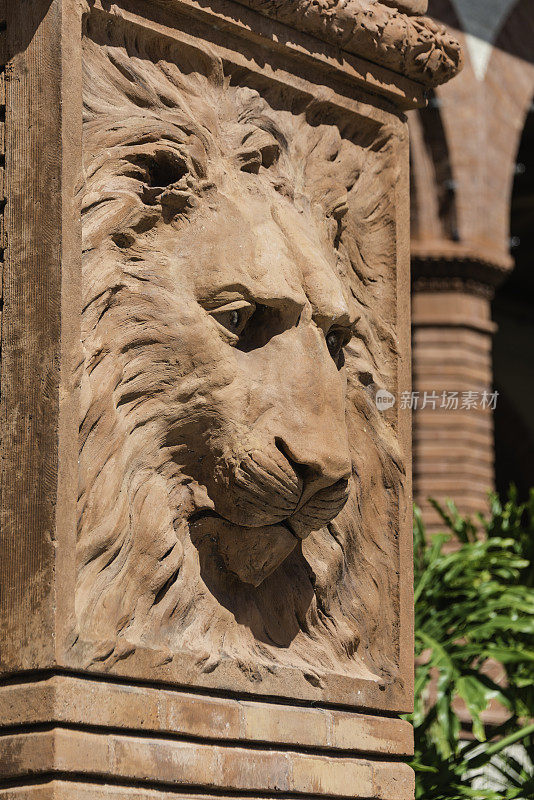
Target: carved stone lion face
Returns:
[264, 319]
[226, 424]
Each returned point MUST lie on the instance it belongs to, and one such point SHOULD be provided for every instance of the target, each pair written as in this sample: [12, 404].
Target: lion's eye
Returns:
[335, 341]
[234, 319]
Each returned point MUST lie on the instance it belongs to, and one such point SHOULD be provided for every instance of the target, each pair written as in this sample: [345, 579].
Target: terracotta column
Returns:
[206, 511]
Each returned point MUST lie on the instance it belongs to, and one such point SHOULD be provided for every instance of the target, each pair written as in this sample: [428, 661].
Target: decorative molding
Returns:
[235, 32]
[414, 46]
[408, 6]
[446, 266]
[451, 284]
[155, 764]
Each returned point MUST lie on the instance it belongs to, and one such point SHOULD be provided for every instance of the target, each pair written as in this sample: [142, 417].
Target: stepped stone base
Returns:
[73, 737]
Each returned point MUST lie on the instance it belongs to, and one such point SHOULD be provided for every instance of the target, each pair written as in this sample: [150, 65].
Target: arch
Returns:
[517, 32]
[510, 80]
[434, 213]
[433, 197]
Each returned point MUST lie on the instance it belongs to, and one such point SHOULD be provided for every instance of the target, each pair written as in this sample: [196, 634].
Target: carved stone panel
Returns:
[239, 490]
[205, 552]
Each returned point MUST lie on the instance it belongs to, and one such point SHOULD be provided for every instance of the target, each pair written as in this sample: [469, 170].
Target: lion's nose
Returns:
[318, 462]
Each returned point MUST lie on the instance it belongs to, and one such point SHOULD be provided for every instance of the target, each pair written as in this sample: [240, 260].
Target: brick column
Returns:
[452, 335]
[453, 447]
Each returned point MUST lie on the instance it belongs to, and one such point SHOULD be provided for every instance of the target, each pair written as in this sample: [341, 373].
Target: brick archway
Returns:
[466, 142]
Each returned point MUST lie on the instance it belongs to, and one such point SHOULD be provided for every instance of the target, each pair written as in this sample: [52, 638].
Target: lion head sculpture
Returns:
[238, 488]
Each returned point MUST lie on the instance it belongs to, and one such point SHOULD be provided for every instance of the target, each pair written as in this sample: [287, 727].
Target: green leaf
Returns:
[476, 697]
[505, 742]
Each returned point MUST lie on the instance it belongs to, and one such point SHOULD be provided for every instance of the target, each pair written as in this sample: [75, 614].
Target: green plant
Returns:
[472, 604]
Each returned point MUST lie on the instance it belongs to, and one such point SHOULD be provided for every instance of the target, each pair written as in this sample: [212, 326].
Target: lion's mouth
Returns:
[250, 553]
[253, 552]
[208, 513]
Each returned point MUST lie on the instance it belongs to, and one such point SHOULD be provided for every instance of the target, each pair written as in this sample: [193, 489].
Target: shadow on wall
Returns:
[513, 311]
[434, 140]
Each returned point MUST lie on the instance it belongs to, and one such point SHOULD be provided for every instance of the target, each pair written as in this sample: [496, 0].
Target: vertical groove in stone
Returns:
[3, 62]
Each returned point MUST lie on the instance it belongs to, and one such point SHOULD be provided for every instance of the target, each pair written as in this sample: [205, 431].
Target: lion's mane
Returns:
[331, 605]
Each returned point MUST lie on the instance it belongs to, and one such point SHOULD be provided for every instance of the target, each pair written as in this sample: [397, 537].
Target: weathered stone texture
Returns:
[74, 701]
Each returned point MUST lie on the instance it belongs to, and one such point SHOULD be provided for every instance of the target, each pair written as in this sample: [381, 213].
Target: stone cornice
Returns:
[448, 250]
[414, 46]
[452, 283]
[439, 266]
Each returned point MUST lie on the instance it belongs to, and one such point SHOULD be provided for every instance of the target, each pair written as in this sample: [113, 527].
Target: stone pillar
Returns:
[206, 514]
[452, 332]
